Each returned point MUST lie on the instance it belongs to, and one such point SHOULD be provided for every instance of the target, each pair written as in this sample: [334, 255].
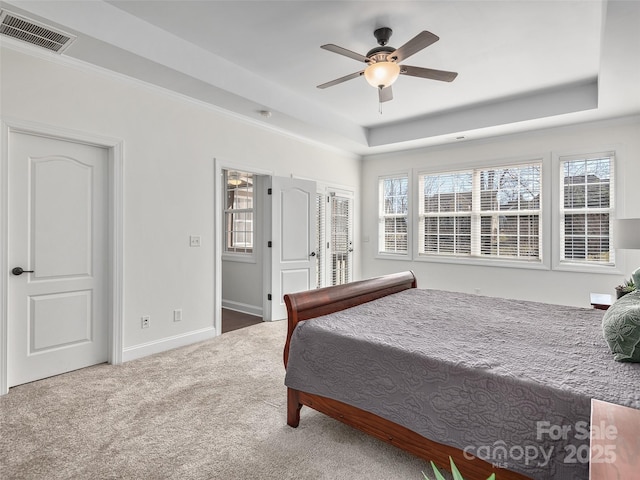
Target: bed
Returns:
[498, 385]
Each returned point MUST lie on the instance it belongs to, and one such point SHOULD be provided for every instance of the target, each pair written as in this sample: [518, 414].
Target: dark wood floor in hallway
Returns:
[232, 320]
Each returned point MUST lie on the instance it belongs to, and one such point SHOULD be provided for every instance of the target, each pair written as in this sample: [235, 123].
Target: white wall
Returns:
[550, 286]
[169, 148]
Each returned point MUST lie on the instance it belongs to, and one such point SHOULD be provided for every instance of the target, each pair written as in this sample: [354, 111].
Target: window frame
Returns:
[617, 266]
[542, 263]
[408, 255]
[455, 213]
[240, 256]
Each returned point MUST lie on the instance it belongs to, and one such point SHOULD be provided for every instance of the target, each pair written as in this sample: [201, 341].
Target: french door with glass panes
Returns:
[334, 260]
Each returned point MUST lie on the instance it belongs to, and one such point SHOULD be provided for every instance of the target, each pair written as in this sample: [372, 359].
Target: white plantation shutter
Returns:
[586, 209]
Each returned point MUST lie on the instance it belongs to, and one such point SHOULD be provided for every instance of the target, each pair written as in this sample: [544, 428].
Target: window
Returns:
[485, 213]
[394, 203]
[586, 209]
[239, 213]
[445, 213]
[510, 212]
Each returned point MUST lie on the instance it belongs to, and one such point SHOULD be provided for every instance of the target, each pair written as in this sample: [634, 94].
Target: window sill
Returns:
[392, 256]
[485, 262]
[580, 268]
[239, 257]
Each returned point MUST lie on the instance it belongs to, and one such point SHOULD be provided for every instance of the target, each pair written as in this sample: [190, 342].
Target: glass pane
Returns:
[446, 244]
[512, 188]
[239, 211]
[486, 225]
[463, 225]
[446, 225]
[574, 224]
[508, 225]
[574, 248]
[598, 195]
[529, 225]
[587, 183]
[450, 192]
[598, 249]
[431, 225]
[395, 235]
[574, 196]
[431, 243]
[395, 195]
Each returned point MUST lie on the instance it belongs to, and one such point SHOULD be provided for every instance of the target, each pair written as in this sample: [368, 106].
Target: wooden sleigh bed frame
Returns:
[314, 303]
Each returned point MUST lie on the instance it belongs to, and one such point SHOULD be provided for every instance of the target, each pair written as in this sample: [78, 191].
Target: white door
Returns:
[58, 229]
[293, 261]
[341, 243]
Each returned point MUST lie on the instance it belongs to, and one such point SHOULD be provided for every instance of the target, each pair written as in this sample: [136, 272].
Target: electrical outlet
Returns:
[146, 321]
[177, 315]
[194, 240]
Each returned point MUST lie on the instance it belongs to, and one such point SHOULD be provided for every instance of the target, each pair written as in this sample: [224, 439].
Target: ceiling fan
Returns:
[383, 62]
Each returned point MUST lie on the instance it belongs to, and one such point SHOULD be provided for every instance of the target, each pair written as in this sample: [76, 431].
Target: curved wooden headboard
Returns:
[322, 301]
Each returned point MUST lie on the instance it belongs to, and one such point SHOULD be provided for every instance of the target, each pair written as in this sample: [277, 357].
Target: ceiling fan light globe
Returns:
[382, 74]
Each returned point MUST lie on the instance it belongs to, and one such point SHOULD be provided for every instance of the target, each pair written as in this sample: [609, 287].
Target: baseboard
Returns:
[242, 307]
[169, 343]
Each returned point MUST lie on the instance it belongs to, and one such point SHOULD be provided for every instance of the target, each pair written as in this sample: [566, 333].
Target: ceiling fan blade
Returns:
[385, 94]
[441, 75]
[417, 43]
[343, 51]
[341, 79]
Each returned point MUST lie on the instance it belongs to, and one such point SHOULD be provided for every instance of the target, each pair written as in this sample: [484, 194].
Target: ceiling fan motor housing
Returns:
[382, 35]
[380, 54]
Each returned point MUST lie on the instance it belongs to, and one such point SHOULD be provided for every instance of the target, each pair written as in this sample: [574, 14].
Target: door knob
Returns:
[20, 271]
[312, 254]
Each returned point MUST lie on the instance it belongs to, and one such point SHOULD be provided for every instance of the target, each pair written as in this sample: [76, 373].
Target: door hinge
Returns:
[269, 191]
[268, 296]
[269, 244]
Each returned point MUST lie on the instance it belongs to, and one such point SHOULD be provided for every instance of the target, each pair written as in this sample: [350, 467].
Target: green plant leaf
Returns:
[436, 472]
[454, 471]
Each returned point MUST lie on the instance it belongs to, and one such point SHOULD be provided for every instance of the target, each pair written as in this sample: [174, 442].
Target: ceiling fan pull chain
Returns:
[380, 108]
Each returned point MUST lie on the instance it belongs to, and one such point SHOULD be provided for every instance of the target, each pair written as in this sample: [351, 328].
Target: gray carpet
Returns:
[214, 410]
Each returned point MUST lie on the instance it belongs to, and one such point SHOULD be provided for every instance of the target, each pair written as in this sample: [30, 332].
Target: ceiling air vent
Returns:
[35, 33]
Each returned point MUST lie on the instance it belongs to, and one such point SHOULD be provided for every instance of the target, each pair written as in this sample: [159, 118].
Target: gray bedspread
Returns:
[505, 380]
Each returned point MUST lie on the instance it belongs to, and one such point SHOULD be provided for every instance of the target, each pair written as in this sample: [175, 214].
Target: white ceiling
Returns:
[522, 64]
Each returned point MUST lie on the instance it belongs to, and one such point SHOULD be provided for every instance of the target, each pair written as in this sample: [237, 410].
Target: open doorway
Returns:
[243, 217]
[334, 211]
[266, 237]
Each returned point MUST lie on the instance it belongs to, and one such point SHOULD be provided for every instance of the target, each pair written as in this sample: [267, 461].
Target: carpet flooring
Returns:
[213, 410]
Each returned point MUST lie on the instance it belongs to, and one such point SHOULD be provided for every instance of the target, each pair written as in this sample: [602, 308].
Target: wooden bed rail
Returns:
[322, 301]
